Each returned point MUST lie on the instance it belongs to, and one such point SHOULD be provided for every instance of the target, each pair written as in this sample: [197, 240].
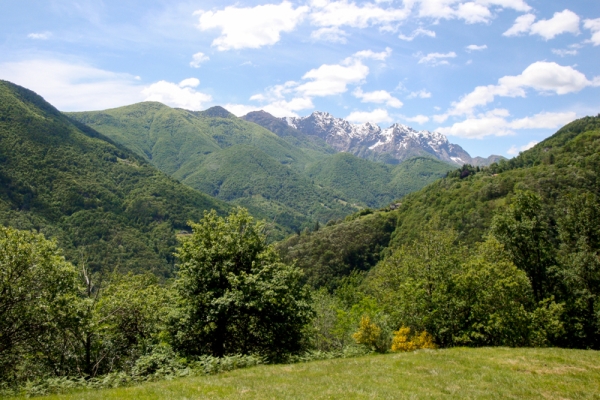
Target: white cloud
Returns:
[517, 5]
[376, 116]
[594, 26]
[495, 123]
[277, 108]
[239, 110]
[283, 108]
[74, 86]
[198, 59]
[332, 34]
[419, 119]
[415, 33]
[514, 150]
[381, 56]
[326, 80]
[180, 95]
[522, 25]
[378, 96]
[435, 58]
[449, 9]
[474, 11]
[189, 82]
[340, 13]
[474, 47]
[565, 52]
[251, 27]
[492, 123]
[40, 35]
[329, 80]
[422, 94]
[561, 22]
[565, 21]
[546, 77]
[544, 120]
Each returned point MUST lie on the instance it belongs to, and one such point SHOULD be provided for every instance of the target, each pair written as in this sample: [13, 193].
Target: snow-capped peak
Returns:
[400, 141]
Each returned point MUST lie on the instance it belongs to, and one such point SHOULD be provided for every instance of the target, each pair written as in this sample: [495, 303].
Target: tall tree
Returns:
[524, 230]
[37, 289]
[235, 294]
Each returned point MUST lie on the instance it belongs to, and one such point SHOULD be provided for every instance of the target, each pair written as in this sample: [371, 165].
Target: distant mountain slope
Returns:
[564, 165]
[260, 162]
[235, 160]
[288, 133]
[392, 145]
[375, 184]
[107, 207]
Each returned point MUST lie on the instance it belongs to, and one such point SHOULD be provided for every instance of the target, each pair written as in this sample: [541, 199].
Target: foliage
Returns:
[460, 296]
[578, 269]
[404, 341]
[371, 335]
[105, 206]
[235, 294]
[37, 289]
[526, 235]
[375, 184]
[336, 250]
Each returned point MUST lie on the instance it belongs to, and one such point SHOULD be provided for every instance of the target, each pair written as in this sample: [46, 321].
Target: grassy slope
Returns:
[451, 373]
[102, 203]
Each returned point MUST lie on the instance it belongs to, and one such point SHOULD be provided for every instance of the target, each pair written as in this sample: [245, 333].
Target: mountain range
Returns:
[391, 145]
[279, 173]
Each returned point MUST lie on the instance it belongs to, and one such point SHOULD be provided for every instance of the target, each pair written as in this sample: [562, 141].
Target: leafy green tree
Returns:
[235, 294]
[524, 230]
[122, 319]
[579, 267]
[474, 297]
[37, 291]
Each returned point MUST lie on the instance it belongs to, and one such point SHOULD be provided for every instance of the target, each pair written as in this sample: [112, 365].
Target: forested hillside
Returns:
[526, 231]
[107, 207]
[566, 164]
[281, 174]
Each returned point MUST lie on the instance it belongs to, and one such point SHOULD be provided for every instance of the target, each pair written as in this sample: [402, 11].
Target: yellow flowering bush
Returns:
[403, 341]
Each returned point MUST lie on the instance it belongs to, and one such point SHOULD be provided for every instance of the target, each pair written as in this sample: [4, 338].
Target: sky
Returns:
[494, 76]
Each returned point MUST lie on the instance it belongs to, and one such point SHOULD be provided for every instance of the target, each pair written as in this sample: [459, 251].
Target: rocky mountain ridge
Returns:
[392, 145]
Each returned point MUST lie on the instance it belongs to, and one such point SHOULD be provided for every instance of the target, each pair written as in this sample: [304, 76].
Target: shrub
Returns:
[403, 341]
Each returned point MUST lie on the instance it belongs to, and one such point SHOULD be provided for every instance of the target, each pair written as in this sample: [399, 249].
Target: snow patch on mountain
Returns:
[368, 140]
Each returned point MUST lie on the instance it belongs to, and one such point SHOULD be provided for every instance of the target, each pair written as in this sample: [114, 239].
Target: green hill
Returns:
[456, 373]
[217, 153]
[279, 173]
[375, 184]
[106, 206]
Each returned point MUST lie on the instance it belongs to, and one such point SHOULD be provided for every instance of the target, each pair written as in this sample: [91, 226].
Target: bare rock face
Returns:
[393, 144]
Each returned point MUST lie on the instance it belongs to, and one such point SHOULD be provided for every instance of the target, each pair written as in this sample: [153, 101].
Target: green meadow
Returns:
[450, 373]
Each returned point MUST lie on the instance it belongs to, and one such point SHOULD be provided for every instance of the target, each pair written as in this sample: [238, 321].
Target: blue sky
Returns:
[495, 76]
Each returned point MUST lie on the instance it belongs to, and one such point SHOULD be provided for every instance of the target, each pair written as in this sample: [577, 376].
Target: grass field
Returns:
[450, 373]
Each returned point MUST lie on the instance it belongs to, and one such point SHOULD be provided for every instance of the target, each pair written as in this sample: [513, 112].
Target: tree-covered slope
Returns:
[177, 140]
[247, 176]
[375, 184]
[215, 152]
[106, 206]
[558, 168]
[566, 163]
